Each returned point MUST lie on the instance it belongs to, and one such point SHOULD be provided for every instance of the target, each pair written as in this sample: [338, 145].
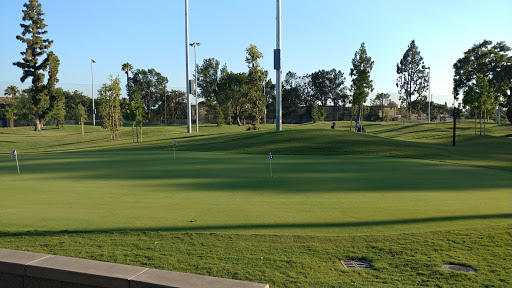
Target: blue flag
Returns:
[270, 155]
[14, 153]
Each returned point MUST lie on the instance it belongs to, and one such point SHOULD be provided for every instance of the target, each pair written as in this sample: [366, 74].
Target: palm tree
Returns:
[127, 68]
[12, 91]
[10, 108]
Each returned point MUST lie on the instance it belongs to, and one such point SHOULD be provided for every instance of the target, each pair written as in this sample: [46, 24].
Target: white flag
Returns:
[14, 153]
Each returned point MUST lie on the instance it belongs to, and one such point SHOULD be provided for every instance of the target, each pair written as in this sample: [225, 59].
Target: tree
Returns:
[306, 90]
[10, 107]
[337, 91]
[140, 116]
[127, 68]
[291, 96]
[208, 77]
[231, 96]
[177, 107]
[81, 116]
[58, 110]
[320, 86]
[32, 67]
[136, 114]
[494, 64]
[317, 115]
[412, 75]
[314, 113]
[24, 106]
[219, 115]
[110, 97]
[72, 102]
[151, 85]
[362, 85]
[269, 91]
[381, 100]
[255, 79]
[485, 98]
[130, 114]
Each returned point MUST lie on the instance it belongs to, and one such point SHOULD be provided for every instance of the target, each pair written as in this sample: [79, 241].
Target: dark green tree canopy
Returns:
[37, 46]
[412, 75]
[208, 77]
[362, 66]
[31, 63]
[362, 85]
[320, 85]
[336, 86]
[150, 85]
[232, 92]
[253, 56]
[492, 63]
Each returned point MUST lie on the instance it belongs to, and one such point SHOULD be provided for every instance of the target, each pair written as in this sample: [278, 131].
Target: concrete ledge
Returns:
[158, 278]
[42, 270]
[13, 262]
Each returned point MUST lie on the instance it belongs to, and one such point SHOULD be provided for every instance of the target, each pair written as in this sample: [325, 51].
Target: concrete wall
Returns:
[20, 269]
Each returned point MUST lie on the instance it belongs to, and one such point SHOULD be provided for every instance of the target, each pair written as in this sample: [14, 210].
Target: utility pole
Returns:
[195, 83]
[93, 109]
[277, 67]
[429, 97]
[165, 105]
[189, 115]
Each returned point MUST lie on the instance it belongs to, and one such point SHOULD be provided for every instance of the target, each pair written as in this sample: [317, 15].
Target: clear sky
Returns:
[320, 34]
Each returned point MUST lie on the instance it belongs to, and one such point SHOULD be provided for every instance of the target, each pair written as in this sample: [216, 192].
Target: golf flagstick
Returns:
[14, 153]
[270, 158]
[174, 144]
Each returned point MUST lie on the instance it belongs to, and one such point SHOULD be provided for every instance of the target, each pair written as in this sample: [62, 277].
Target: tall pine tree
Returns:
[412, 75]
[362, 85]
[31, 63]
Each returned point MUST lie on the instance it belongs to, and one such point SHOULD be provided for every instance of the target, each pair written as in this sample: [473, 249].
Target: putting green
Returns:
[149, 191]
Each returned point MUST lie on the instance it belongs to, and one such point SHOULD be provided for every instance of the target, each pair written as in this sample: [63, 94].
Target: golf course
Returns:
[399, 197]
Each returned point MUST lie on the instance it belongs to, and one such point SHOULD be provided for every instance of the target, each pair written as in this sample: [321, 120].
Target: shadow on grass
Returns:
[242, 227]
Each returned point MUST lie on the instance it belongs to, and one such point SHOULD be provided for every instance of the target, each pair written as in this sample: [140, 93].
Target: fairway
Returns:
[325, 184]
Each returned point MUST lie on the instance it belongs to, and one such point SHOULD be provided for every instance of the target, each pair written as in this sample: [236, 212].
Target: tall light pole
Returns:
[189, 115]
[277, 67]
[195, 88]
[429, 97]
[93, 110]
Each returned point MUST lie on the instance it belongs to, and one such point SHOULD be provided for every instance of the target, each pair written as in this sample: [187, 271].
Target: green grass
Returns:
[397, 260]
[398, 196]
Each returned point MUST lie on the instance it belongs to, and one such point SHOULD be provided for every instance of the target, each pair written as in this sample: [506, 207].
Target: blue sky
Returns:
[321, 34]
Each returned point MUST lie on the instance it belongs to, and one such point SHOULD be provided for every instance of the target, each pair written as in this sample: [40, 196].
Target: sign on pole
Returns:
[15, 154]
[270, 159]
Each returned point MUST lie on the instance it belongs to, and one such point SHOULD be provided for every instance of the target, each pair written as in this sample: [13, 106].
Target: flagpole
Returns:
[174, 149]
[17, 165]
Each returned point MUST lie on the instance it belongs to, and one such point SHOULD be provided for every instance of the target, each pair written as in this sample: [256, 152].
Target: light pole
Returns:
[93, 110]
[195, 84]
[429, 97]
[189, 121]
[277, 67]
